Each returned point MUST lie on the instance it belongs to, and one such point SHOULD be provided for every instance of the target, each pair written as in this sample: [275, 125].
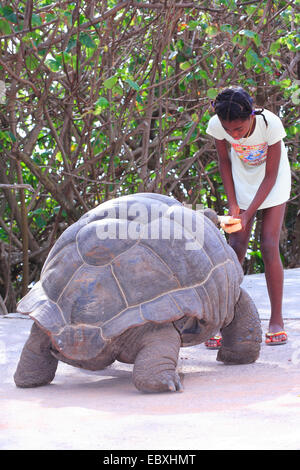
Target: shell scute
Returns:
[99, 242]
[59, 270]
[49, 316]
[142, 275]
[33, 299]
[188, 302]
[117, 325]
[67, 237]
[189, 266]
[92, 296]
[161, 310]
[82, 342]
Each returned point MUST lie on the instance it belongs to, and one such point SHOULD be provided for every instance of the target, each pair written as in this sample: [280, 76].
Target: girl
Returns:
[256, 176]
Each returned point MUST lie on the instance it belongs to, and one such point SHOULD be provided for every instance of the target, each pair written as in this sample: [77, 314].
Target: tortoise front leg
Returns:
[155, 364]
[242, 337]
[36, 366]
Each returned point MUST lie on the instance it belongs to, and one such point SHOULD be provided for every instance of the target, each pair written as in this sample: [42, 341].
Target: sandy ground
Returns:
[251, 407]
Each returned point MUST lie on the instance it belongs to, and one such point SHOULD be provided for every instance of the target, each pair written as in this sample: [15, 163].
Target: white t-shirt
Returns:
[248, 160]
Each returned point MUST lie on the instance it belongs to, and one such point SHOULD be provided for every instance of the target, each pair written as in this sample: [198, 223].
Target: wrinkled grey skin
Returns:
[137, 300]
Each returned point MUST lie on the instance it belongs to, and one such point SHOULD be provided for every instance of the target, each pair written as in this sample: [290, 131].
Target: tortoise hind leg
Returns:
[36, 366]
[242, 337]
[155, 364]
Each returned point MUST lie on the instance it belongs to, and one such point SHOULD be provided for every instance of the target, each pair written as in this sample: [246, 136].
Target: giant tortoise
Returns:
[133, 280]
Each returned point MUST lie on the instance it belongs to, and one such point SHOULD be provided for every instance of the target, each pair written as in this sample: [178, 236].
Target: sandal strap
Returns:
[278, 333]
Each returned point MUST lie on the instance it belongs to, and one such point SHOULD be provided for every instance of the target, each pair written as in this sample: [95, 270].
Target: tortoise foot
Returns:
[164, 382]
[37, 366]
[156, 362]
[242, 355]
[242, 337]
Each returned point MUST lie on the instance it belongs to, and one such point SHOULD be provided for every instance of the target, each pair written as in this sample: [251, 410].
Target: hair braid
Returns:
[235, 103]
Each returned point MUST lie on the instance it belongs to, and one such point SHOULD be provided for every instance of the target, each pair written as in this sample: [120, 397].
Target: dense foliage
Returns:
[104, 98]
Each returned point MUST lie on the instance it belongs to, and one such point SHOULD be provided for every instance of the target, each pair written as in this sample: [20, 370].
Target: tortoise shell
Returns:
[132, 260]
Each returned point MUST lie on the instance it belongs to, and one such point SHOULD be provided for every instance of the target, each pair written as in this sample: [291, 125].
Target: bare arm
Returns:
[226, 175]
[272, 165]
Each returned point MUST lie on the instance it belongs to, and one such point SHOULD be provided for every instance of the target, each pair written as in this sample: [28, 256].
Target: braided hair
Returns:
[235, 103]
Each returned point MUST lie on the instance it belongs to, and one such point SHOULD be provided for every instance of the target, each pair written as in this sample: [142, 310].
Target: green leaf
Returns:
[5, 27]
[212, 31]
[296, 100]
[110, 82]
[285, 83]
[9, 14]
[71, 44]
[251, 34]
[226, 28]
[12, 136]
[50, 16]
[87, 41]
[252, 59]
[102, 102]
[248, 33]
[250, 9]
[212, 93]
[31, 62]
[117, 90]
[40, 221]
[203, 74]
[139, 98]
[7, 137]
[240, 39]
[53, 64]
[185, 65]
[274, 48]
[68, 58]
[36, 20]
[192, 25]
[132, 84]
[180, 44]
[38, 211]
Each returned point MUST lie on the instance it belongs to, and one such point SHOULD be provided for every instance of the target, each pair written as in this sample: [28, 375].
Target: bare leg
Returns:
[36, 366]
[270, 234]
[239, 240]
[239, 243]
[156, 362]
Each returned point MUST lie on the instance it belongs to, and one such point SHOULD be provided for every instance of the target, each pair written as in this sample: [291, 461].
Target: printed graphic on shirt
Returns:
[251, 154]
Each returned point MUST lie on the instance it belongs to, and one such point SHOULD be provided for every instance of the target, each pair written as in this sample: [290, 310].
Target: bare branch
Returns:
[17, 186]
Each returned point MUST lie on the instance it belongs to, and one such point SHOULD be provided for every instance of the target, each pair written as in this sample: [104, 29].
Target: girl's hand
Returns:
[234, 210]
[245, 219]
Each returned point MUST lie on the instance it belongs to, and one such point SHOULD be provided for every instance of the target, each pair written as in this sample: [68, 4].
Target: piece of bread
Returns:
[230, 228]
[229, 224]
[228, 219]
